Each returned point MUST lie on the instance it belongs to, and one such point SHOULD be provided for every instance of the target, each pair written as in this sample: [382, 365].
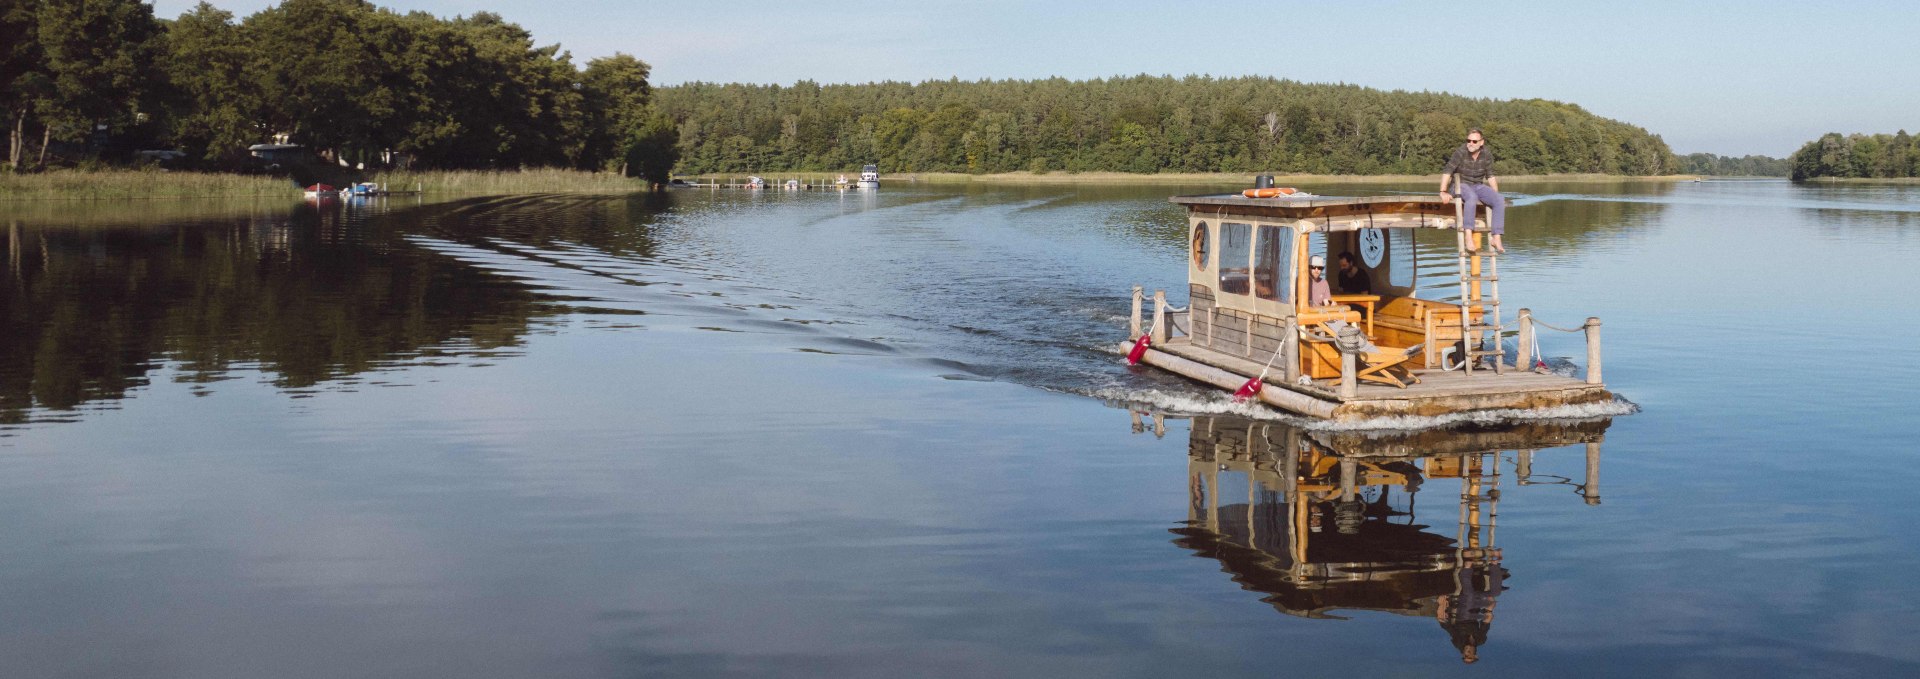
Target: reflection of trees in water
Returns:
[620, 225]
[1556, 226]
[86, 314]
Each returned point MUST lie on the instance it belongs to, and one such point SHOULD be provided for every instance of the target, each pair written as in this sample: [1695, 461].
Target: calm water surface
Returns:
[881, 434]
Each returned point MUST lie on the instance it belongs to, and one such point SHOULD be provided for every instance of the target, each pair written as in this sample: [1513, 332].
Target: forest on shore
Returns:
[82, 80]
[1858, 156]
[1730, 166]
[85, 82]
[1137, 124]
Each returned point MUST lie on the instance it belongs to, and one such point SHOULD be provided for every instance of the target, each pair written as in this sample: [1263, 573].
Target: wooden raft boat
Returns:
[1398, 351]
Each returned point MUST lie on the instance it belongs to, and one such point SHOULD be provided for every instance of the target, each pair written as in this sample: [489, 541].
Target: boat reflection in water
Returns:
[1326, 521]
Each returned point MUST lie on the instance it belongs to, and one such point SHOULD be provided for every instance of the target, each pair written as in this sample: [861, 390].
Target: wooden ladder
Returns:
[1479, 285]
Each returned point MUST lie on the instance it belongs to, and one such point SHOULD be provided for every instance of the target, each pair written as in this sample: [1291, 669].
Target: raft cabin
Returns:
[1396, 350]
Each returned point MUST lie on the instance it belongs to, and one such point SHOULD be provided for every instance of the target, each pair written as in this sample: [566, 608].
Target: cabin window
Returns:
[1236, 247]
[1400, 259]
[1269, 263]
[1200, 245]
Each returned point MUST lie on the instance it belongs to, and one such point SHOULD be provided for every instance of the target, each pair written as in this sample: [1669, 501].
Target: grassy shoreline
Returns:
[148, 184]
[1279, 179]
[1220, 178]
[1861, 180]
[145, 184]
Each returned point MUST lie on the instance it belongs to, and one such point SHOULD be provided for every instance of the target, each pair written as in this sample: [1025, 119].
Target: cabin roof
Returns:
[1319, 207]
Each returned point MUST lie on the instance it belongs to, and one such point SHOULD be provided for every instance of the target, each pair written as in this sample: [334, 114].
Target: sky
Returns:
[1733, 78]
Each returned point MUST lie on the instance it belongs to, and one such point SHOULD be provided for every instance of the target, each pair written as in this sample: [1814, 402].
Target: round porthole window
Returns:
[1373, 247]
[1200, 245]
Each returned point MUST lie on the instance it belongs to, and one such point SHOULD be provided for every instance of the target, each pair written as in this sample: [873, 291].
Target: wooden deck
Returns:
[1439, 392]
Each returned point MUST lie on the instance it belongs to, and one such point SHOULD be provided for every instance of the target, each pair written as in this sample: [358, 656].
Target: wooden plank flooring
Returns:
[1433, 384]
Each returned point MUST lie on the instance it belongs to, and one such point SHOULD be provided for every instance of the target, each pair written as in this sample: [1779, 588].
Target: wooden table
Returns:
[1364, 300]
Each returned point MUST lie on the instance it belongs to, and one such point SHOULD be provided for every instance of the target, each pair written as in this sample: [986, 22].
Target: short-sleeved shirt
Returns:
[1318, 294]
[1472, 170]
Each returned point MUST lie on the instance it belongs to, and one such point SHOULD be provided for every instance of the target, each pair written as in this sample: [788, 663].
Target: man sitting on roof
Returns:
[1474, 162]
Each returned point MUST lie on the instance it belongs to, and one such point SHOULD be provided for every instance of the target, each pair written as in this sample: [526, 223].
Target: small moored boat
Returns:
[1396, 350]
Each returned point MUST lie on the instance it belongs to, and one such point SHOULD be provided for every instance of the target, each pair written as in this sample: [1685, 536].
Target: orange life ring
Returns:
[1268, 193]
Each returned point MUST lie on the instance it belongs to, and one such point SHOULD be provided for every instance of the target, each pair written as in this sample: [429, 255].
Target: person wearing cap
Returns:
[1318, 294]
[1474, 163]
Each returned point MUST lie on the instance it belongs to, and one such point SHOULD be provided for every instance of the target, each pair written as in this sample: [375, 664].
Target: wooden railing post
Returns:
[1348, 385]
[1160, 317]
[1591, 489]
[1593, 350]
[1348, 470]
[1134, 332]
[1290, 348]
[1524, 361]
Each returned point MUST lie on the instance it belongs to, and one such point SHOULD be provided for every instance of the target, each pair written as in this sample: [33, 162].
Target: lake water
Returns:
[883, 434]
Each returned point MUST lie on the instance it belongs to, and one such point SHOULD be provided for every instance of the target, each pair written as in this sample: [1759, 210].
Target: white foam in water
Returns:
[1584, 411]
[1189, 403]
[1102, 315]
[1221, 403]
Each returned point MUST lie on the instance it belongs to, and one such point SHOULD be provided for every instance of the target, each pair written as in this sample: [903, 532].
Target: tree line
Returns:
[1877, 156]
[1729, 166]
[343, 77]
[1136, 124]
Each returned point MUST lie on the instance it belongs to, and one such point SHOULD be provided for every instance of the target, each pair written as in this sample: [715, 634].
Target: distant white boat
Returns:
[869, 177]
[793, 185]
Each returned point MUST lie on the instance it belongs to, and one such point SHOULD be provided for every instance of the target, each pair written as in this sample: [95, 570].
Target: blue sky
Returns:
[1725, 77]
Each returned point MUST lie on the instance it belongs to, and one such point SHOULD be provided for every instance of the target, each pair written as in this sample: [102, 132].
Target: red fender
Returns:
[1249, 390]
[1139, 349]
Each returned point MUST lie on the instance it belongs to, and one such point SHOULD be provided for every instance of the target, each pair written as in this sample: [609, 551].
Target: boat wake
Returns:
[1484, 418]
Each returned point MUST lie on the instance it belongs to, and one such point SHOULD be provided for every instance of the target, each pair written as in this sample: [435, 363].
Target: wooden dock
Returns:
[770, 184]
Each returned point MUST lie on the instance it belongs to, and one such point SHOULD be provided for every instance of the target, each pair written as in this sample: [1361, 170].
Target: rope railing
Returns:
[1549, 326]
[1530, 346]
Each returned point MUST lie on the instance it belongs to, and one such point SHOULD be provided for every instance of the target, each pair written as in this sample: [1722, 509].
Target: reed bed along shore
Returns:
[1860, 180]
[774, 179]
[144, 212]
[127, 184]
[134, 184]
[487, 182]
[137, 184]
[1235, 179]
